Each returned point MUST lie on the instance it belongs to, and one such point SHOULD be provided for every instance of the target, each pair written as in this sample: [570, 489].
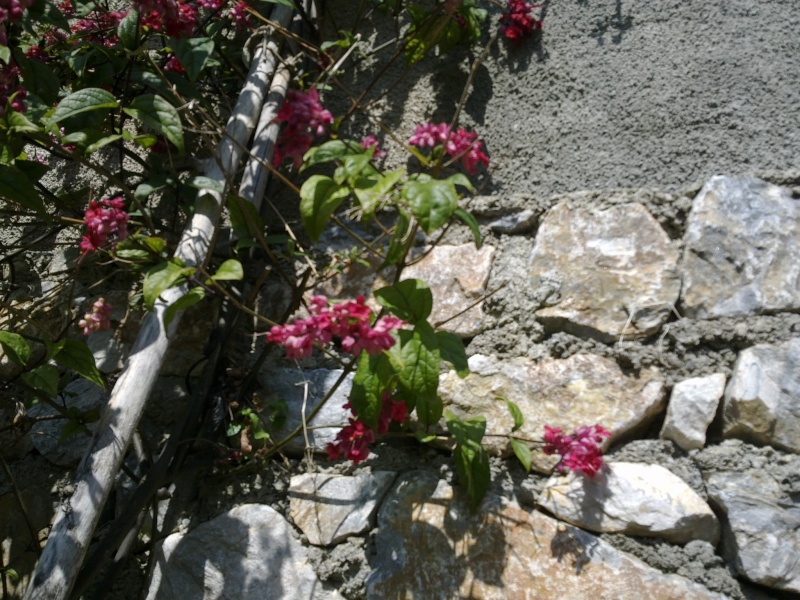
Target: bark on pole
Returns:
[77, 518]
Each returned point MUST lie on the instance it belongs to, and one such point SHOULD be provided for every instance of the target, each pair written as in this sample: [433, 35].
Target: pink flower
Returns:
[517, 23]
[460, 144]
[12, 93]
[304, 118]
[353, 441]
[104, 219]
[174, 65]
[239, 15]
[98, 318]
[210, 5]
[349, 321]
[372, 142]
[12, 10]
[99, 27]
[176, 18]
[579, 451]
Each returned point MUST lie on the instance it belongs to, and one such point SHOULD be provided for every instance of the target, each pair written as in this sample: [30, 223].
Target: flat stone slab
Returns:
[762, 400]
[247, 553]
[634, 499]
[618, 271]
[584, 389]
[765, 533]
[692, 406]
[457, 276]
[741, 247]
[297, 389]
[431, 545]
[330, 508]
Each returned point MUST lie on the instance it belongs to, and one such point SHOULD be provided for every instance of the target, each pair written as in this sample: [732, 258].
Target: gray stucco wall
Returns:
[617, 93]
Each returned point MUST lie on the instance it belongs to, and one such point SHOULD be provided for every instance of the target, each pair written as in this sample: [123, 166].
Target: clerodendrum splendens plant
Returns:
[148, 79]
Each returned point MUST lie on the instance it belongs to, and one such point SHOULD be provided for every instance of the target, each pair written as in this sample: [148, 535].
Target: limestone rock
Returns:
[618, 271]
[247, 553]
[457, 276]
[631, 498]
[329, 508]
[431, 545]
[290, 386]
[764, 533]
[762, 400]
[741, 248]
[581, 390]
[691, 409]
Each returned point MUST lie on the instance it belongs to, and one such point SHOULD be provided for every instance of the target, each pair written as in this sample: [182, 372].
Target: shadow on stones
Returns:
[570, 544]
[616, 23]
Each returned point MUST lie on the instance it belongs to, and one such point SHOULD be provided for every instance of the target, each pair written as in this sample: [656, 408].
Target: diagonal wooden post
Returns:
[77, 518]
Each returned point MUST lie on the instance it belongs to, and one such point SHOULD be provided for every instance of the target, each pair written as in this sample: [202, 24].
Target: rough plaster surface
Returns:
[621, 94]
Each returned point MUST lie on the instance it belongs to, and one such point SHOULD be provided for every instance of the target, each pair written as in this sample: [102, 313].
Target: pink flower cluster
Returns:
[176, 18]
[353, 441]
[579, 451]
[103, 219]
[98, 318]
[239, 15]
[348, 321]
[517, 22]
[460, 144]
[11, 90]
[99, 27]
[11, 11]
[305, 118]
[372, 142]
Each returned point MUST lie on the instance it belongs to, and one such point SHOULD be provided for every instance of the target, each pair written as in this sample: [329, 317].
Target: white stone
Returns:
[691, 409]
[330, 508]
[618, 271]
[247, 553]
[762, 400]
[631, 498]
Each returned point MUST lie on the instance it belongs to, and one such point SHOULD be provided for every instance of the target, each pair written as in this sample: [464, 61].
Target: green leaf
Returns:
[140, 248]
[127, 29]
[17, 188]
[516, 414]
[410, 299]
[474, 471]
[415, 361]
[5, 54]
[70, 429]
[76, 355]
[201, 182]
[472, 461]
[15, 347]
[12, 575]
[162, 277]
[327, 152]
[103, 141]
[462, 180]
[158, 114]
[192, 297]
[193, 54]
[431, 201]
[230, 270]
[82, 101]
[354, 165]
[371, 190]
[158, 182]
[470, 222]
[48, 12]
[247, 225]
[19, 123]
[464, 430]
[396, 250]
[424, 437]
[452, 350]
[320, 196]
[371, 379]
[429, 410]
[43, 378]
[523, 453]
